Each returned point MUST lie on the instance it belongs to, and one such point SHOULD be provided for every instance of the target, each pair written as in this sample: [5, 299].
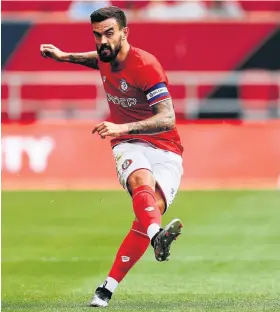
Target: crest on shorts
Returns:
[126, 164]
[123, 85]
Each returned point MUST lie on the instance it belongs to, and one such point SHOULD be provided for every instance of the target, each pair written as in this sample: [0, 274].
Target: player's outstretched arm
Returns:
[163, 120]
[89, 59]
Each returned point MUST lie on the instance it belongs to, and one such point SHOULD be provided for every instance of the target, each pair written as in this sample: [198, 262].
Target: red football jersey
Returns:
[132, 91]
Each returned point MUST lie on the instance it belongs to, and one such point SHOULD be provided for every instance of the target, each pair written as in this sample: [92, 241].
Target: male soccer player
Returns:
[145, 143]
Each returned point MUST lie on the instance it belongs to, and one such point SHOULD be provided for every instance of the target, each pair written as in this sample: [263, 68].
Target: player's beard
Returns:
[107, 54]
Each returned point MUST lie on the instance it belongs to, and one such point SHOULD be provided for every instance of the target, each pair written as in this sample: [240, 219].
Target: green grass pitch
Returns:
[58, 246]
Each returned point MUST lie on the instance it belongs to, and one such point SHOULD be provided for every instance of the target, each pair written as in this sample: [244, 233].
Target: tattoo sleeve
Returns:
[163, 120]
[88, 59]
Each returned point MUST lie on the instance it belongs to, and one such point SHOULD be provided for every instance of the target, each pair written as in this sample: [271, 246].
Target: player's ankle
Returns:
[110, 284]
[155, 236]
[152, 230]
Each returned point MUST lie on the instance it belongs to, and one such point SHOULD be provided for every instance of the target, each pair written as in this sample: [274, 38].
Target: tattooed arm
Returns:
[89, 59]
[163, 120]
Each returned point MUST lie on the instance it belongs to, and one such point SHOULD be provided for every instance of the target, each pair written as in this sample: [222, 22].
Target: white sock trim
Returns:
[152, 230]
[110, 284]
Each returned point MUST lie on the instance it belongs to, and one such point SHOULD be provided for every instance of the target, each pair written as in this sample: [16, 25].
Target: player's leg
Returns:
[136, 242]
[141, 185]
[131, 250]
[160, 200]
[162, 241]
[149, 203]
[167, 171]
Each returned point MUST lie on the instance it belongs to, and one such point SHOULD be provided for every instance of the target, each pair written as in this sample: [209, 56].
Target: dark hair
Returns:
[102, 14]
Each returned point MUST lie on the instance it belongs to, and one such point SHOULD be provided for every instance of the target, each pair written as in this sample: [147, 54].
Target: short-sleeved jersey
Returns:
[132, 91]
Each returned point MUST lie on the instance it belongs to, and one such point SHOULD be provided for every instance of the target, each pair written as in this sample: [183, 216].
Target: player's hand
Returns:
[106, 128]
[49, 50]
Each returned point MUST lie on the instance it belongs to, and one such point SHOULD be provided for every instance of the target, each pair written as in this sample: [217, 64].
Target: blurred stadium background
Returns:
[223, 63]
[222, 60]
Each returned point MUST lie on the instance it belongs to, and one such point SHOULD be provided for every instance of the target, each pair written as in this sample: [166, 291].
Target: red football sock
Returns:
[131, 250]
[146, 210]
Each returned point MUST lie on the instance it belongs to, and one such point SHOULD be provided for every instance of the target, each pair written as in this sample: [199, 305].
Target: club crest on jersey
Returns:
[104, 78]
[123, 85]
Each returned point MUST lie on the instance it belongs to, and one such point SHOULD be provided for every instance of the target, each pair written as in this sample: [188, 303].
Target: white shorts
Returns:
[165, 166]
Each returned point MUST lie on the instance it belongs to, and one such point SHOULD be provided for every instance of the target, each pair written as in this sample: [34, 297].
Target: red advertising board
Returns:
[65, 155]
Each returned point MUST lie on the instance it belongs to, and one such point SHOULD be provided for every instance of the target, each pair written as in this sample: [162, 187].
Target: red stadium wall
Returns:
[179, 46]
[64, 155]
[51, 6]
[191, 46]
[43, 6]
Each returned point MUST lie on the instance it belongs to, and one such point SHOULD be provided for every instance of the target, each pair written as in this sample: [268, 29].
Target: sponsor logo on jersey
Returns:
[126, 164]
[123, 85]
[124, 102]
[125, 258]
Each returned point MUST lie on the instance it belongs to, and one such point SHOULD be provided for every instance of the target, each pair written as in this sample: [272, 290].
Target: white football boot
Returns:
[101, 298]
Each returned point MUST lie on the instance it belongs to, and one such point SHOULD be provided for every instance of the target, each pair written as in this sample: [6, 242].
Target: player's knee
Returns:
[140, 177]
